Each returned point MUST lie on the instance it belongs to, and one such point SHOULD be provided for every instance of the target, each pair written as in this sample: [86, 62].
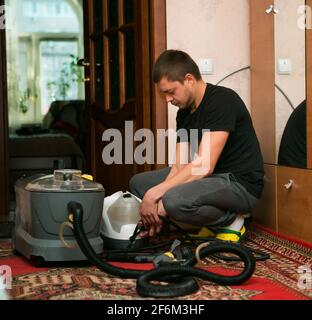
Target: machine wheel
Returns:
[16, 253]
[37, 261]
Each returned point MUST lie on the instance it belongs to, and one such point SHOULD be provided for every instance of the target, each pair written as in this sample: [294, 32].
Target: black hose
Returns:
[257, 254]
[75, 208]
[144, 287]
[172, 273]
[140, 249]
[187, 286]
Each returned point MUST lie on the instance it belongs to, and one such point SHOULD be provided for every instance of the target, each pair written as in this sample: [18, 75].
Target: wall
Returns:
[216, 29]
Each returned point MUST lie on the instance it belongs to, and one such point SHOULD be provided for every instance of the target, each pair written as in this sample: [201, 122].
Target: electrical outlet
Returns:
[284, 66]
[205, 66]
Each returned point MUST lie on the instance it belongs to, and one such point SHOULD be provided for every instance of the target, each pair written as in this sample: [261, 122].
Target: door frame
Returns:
[4, 152]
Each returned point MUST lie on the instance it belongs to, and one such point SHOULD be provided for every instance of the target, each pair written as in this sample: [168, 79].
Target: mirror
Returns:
[290, 84]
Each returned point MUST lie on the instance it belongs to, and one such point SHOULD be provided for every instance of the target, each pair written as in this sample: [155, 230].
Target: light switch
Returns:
[205, 66]
[284, 66]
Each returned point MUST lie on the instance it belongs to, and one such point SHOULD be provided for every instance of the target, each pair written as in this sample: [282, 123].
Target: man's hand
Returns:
[161, 210]
[156, 227]
[152, 230]
[149, 210]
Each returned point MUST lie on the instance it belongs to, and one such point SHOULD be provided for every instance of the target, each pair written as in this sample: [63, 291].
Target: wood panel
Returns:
[143, 64]
[158, 45]
[295, 204]
[309, 90]
[265, 212]
[113, 177]
[263, 77]
[4, 154]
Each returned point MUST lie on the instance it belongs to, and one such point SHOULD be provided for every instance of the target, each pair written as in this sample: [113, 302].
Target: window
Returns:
[58, 75]
[41, 48]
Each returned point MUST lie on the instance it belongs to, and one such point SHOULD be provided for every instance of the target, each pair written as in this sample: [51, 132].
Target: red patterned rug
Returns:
[278, 278]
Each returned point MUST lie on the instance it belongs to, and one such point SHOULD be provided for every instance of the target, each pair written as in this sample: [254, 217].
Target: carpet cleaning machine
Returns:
[56, 212]
[41, 210]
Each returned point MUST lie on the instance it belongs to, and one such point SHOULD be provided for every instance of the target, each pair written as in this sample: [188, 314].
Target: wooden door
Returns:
[120, 46]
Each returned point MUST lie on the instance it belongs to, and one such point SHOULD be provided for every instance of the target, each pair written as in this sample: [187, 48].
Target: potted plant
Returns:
[69, 75]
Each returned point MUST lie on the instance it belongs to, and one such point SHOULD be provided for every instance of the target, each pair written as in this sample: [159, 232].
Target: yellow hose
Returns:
[201, 246]
[61, 234]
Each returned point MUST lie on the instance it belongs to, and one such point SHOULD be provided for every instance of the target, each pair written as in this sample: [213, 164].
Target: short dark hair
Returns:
[175, 65]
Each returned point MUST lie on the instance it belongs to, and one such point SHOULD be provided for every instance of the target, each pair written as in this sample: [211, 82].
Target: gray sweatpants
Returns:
[211, 201]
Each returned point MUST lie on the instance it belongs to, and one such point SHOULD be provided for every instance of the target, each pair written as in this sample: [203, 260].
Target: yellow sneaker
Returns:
[204, 233]
[230, 235]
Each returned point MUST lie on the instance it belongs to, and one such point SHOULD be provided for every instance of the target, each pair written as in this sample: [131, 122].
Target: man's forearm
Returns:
[187, 173]
[174, 170]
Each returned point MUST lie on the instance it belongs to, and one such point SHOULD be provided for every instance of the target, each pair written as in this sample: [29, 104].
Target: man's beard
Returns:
[190, 104]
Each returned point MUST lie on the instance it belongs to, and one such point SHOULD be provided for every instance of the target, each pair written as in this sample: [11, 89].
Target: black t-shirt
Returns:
[221, 109]
[293, 148]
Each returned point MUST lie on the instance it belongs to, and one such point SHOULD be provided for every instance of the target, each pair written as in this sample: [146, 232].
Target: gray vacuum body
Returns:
[41, 209]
